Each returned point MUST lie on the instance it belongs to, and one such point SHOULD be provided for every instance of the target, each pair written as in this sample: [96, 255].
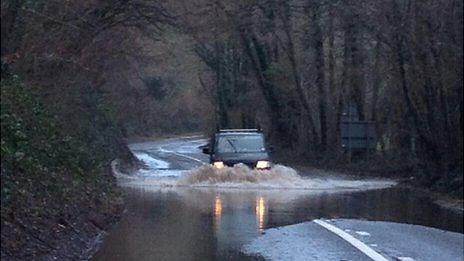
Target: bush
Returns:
[49, 174]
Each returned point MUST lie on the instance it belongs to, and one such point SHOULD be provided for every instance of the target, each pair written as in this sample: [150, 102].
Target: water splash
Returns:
[278, 177]
[239, 177]
[151, 162]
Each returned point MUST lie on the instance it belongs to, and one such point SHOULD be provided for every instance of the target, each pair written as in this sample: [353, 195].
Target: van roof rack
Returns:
[239, 130]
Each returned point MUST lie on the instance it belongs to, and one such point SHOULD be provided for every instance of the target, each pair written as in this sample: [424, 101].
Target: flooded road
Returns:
[211, 221]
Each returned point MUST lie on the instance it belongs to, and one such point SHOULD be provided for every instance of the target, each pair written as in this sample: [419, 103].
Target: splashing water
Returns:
[158, 174]
[240, 176]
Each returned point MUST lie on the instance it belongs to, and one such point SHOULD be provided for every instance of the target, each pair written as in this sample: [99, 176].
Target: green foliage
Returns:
[55, 157]
[38, 156]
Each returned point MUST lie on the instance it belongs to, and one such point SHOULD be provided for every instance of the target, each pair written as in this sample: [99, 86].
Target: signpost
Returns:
[356, 135]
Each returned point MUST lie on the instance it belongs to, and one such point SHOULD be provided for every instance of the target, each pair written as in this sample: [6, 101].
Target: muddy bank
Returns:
[55, 228]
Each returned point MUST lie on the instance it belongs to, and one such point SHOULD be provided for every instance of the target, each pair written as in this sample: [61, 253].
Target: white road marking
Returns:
[186, 156]
[405, 258]
[181, 155]
[362, 233]
[353, 241]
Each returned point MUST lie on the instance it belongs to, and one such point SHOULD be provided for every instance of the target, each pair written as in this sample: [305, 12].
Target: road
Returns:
[176, 211]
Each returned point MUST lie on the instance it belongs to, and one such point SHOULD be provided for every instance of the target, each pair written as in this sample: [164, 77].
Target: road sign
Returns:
[358, 135]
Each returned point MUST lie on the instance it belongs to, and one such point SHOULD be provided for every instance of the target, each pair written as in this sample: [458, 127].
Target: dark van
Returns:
[232, 146]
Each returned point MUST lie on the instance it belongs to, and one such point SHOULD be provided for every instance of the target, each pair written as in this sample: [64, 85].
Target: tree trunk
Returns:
[296, 75]
[320, 76]
[257, 57]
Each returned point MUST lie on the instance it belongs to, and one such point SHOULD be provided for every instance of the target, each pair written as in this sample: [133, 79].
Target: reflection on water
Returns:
[217, 211]
[260, 212]
[210, 224]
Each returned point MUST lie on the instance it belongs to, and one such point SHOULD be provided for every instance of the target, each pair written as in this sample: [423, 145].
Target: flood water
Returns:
[178, 208]
[209, 224]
